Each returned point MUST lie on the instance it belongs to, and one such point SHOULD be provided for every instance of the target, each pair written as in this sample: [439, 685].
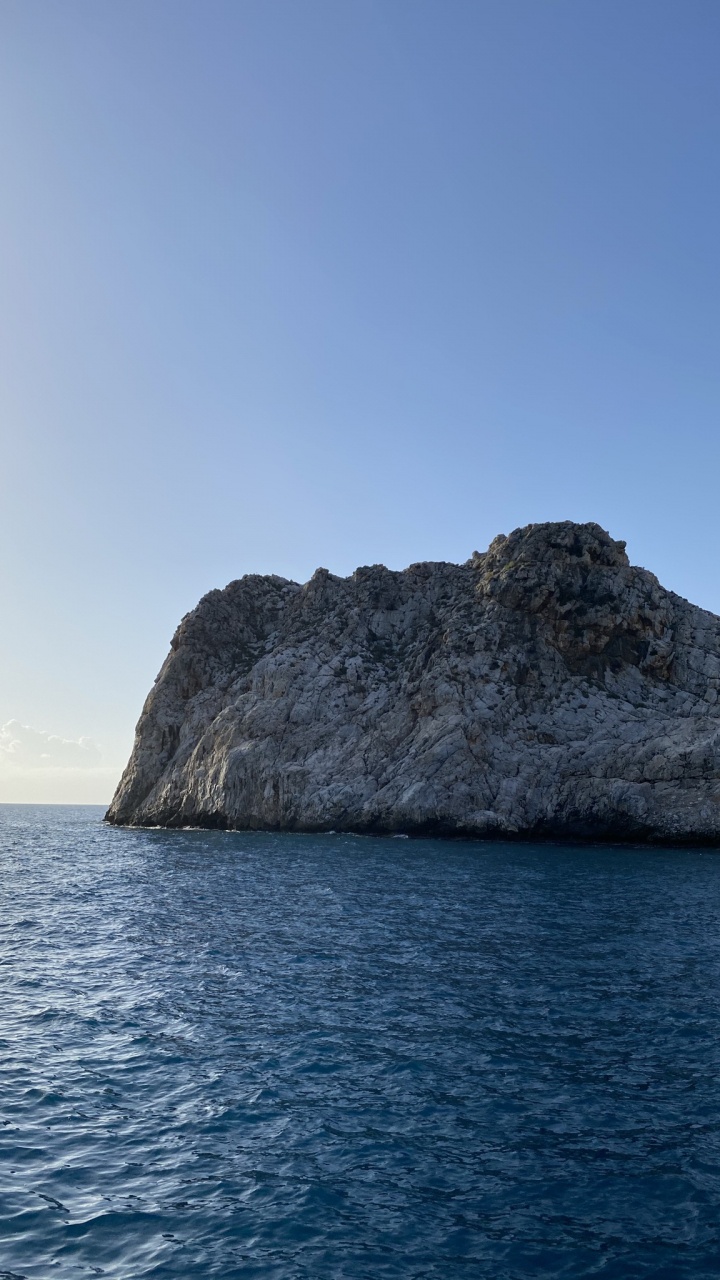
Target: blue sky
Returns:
[297, 283]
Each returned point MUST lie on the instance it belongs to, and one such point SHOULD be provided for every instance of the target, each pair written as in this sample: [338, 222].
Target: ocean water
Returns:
[230, 1055]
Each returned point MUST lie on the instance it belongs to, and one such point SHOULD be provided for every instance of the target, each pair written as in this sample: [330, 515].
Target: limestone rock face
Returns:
[544, 688]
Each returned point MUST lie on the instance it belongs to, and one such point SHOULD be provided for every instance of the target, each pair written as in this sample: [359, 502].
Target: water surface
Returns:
[318, 1057]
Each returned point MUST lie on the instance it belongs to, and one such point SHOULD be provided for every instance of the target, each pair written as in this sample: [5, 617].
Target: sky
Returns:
[289, 283]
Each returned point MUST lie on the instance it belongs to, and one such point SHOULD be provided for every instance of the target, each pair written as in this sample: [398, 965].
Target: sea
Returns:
[315, 1057]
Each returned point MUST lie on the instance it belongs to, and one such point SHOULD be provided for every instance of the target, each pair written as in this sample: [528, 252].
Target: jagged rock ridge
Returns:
[544, 688]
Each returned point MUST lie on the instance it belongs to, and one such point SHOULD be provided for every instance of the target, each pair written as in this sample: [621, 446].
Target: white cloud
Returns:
[22, 748]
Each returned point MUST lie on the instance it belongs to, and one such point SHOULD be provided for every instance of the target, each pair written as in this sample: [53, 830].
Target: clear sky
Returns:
[288, 283]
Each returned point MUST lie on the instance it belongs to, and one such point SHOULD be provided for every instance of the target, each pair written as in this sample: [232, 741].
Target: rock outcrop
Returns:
[544, 688]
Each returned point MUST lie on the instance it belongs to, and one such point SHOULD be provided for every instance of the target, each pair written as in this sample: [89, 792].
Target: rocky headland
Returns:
[545, 688]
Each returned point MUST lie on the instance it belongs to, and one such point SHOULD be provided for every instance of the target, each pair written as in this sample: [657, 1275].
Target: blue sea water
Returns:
[231, 1055]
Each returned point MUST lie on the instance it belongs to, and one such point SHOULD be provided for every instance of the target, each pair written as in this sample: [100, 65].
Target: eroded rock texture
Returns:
[546, 687]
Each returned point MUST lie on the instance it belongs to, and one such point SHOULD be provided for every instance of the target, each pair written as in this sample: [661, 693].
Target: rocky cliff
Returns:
[544, 688]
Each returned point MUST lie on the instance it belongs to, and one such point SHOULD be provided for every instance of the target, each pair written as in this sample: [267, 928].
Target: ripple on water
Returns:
[324, 1057]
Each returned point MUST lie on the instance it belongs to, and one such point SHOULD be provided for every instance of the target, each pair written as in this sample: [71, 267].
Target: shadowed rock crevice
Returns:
[544, 688]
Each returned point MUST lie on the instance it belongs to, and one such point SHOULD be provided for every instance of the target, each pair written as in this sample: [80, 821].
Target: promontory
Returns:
[545, 688]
